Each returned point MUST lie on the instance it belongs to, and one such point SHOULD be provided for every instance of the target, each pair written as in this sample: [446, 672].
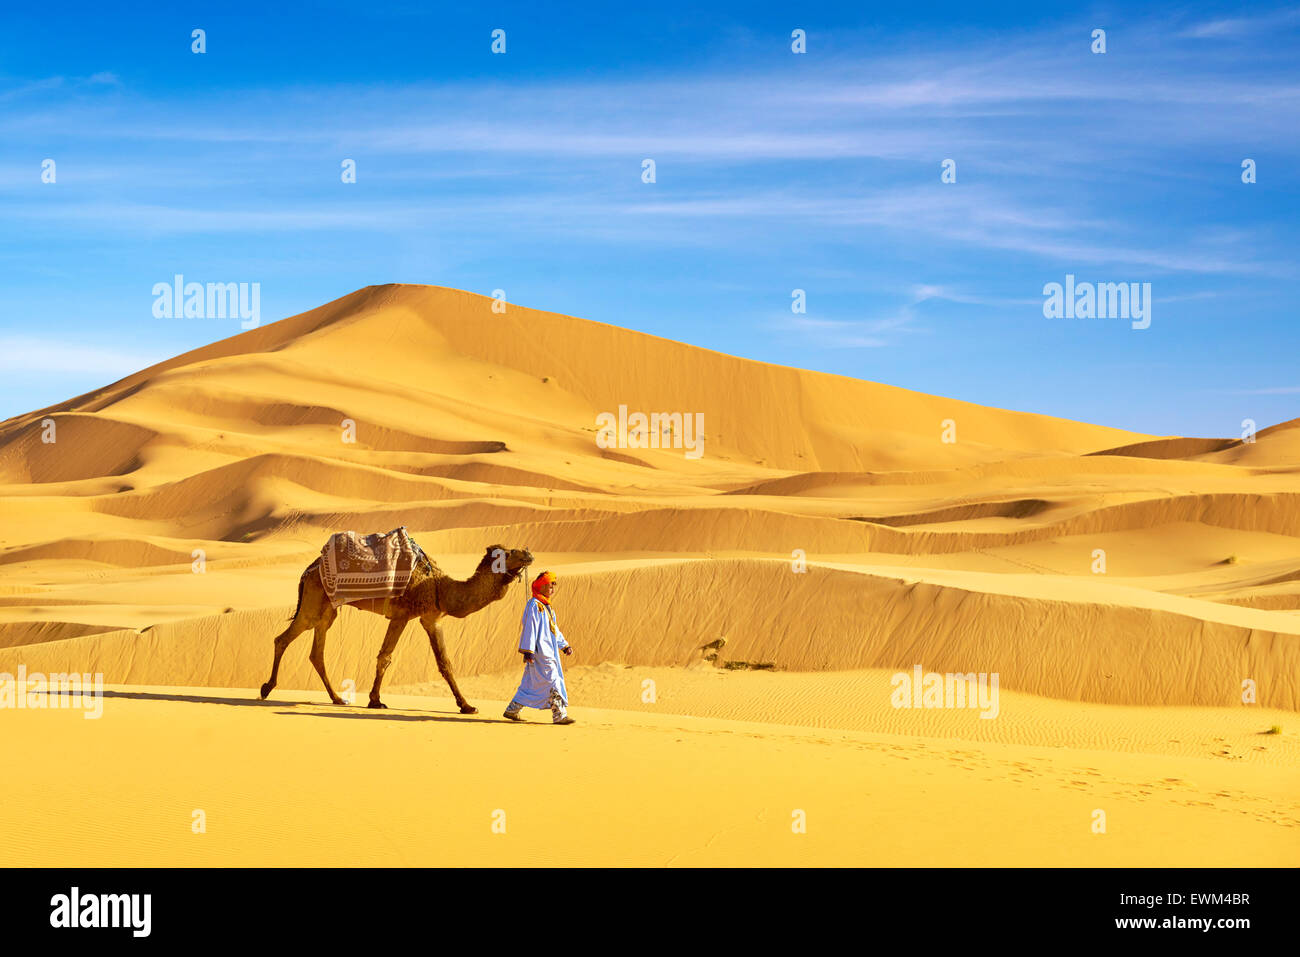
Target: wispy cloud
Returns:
[976, 217]
[1275, 390]
[837, 334]
[925, 293]
[1230, 27]
[850, 333]
[36, 356]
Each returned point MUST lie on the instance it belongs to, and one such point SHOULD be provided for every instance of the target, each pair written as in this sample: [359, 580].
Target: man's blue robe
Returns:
[544, 675]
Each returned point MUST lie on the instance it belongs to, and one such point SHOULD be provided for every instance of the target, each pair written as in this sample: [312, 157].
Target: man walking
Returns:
[540, 642]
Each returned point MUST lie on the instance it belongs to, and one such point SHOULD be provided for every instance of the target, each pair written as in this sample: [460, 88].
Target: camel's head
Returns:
[510, 562]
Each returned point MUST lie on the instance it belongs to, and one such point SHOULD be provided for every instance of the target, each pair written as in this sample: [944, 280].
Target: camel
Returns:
[429, 596]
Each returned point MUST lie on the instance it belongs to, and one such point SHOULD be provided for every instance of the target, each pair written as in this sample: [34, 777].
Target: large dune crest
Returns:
[827, 526]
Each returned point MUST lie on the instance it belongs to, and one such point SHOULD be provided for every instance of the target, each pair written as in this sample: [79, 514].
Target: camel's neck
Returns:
[481, 589]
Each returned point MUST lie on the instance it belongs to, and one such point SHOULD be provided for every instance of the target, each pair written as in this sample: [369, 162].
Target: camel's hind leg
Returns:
[395, 629]
[444, 665]
[311, 602]
[318, 652]
[282, 641]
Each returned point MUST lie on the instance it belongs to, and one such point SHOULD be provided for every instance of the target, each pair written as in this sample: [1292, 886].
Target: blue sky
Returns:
[775, 171]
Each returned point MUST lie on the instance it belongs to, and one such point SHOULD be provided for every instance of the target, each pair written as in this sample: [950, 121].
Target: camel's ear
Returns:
[494, 548]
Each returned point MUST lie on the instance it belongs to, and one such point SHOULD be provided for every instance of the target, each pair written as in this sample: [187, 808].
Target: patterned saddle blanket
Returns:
[379, 566]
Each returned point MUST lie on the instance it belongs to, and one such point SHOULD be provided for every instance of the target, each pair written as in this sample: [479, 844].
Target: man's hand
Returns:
[528, 656]
[568, 649]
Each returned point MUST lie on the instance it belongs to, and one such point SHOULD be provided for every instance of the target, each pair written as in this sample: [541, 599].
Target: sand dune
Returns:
[1172, 448]
[830, 530]
[105, 447]
[1109, 643]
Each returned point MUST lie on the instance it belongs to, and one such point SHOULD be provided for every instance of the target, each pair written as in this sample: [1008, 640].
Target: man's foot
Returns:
[512, 715]
[565, 720]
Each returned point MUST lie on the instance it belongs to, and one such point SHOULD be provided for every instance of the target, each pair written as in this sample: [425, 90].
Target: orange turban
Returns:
[540, 581]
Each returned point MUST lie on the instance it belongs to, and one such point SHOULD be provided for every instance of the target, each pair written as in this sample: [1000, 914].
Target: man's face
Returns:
[547, 587]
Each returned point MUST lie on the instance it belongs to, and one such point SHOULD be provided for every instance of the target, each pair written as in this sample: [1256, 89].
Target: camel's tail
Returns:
[298, 607]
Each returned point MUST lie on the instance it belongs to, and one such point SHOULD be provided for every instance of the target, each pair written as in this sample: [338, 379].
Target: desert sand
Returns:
[738, 616]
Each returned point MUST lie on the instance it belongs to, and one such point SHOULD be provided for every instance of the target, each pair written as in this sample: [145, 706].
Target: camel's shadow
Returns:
[366, 714]
[189, 698]
[341, 711]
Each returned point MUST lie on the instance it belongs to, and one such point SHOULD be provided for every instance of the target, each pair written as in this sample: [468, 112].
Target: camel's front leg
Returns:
[318, 656]
[444, 665]
[395, 628]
